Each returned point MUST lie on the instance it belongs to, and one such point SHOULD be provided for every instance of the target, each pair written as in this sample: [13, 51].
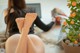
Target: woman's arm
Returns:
[43, 26]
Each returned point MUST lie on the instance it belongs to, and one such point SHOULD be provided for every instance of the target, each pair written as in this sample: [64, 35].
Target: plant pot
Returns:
[70, 49]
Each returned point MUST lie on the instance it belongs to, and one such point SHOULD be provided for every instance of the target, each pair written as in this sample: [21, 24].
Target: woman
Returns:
[21, 28]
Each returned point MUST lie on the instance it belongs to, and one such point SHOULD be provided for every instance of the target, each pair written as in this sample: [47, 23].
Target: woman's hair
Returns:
[16, 5]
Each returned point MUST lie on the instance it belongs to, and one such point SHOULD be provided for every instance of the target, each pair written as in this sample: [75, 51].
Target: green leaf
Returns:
[72, 40]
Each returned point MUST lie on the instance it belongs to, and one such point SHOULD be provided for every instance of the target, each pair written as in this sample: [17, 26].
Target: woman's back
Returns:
[17, 13]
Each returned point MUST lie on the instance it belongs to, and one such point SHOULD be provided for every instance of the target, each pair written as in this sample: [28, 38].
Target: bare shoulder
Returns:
[6, 12]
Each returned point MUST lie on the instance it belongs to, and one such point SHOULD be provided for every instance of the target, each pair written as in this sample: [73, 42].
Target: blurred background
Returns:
[43, 8]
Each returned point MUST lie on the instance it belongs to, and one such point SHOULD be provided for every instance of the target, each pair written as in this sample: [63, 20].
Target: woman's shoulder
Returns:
[6, 12]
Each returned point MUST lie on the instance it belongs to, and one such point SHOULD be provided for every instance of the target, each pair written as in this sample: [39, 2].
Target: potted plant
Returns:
[71, 27]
